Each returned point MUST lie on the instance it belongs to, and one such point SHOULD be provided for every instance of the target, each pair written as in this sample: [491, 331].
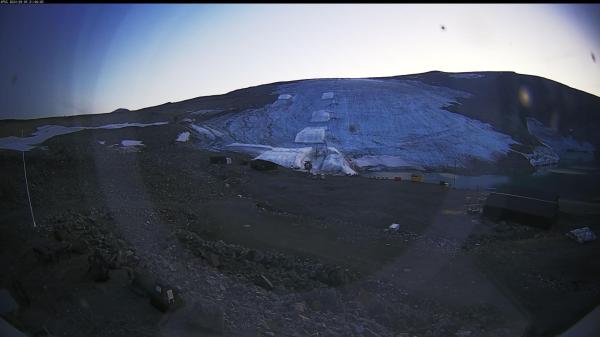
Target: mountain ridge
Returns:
[413, 117]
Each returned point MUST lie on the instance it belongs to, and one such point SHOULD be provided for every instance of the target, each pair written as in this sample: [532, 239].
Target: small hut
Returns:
[223, 160]
[527, 207]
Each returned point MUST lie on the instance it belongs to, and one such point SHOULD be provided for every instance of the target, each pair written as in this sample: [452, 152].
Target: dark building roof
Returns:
[527, 207]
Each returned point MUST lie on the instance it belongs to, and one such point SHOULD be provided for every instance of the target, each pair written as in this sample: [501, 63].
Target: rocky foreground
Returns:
[268, 253]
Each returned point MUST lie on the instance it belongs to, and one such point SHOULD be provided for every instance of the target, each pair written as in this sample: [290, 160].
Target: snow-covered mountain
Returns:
[367, 122]
[345, 125]
[433, 120]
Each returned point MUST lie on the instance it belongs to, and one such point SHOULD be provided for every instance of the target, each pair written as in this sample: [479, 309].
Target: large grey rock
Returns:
[7, 330]
[7, 303]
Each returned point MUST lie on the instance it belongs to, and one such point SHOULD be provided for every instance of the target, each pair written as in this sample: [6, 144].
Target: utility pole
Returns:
[454, 175]
[27, 185]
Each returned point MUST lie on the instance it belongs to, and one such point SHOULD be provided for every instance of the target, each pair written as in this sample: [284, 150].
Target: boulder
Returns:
[8, 304]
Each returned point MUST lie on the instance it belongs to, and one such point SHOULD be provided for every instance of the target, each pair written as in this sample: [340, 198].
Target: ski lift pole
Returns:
[454, 175]
[27, 186]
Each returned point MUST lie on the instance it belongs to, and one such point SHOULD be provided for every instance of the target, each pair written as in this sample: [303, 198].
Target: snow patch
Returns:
[551, 138]
[183, 137]
[251, 149]
[384, 161]
[311, 135]
[336, 163]
[46, 132]
[130, 142]
[543, 156]
[294, 158]
[126, 125]
[215, 132]
[327, 95]
[320, 116]
[207, 131]
[288, 157]
[203, 131]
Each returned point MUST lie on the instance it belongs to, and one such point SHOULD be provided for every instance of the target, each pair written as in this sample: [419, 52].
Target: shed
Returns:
[162, 297]
[527, 207]
[220, 160]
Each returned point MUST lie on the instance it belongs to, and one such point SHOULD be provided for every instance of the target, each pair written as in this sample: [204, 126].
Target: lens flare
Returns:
[524, 97]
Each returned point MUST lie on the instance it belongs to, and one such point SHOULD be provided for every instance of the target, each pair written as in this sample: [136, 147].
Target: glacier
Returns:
[369, 118]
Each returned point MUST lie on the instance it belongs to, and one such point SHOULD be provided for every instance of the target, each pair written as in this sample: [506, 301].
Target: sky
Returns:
[70, 59]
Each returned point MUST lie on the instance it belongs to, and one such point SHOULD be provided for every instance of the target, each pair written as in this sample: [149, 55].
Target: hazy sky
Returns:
[74, 59]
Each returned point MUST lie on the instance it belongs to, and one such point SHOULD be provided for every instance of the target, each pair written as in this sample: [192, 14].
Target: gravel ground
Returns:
[269, 253]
